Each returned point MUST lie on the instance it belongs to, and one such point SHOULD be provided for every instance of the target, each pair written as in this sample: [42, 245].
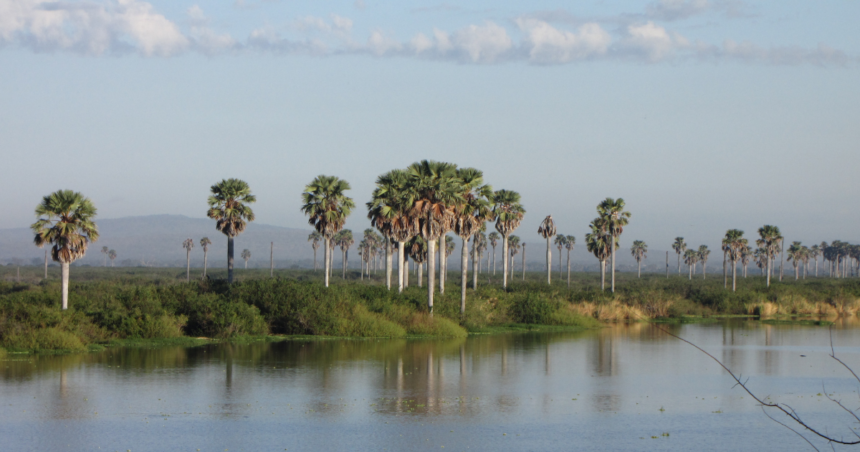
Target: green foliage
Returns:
[45, 339]
[533, 308]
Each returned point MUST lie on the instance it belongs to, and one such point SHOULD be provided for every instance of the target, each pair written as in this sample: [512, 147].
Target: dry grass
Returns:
[612, 311]
[803, 307]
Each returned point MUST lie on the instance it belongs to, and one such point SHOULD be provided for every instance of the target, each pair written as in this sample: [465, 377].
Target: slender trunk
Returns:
[559, 263]
[246, 264]
[568, 269]
[419, 271]
[603, 274]
[679, 264]
[343, 263]
[464, 274]
[326, 252]
[46, 263]
[431, 256]
[613, 262]
[548, 262]
[205, 262]
[111, 263]
[816, 267]
[230, 261]
[639, 272]
[704, 269]
[505, 263]
[781, 258]
[64, 268]
[796, 274]
[405, 272]
[361, 263]
[690, 267]
[476, 264]
[401, 254]
[734, 275]
[443, 260]
[272, 260]
[388, 268]
[768, 271]
[494, 261]
[187, 265]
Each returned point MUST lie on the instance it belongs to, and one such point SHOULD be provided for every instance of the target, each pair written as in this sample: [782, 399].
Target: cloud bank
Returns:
[119, 27]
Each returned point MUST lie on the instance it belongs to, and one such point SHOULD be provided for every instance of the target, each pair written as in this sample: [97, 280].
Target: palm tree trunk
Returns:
[548, 262]
[613, 262]
[431, 274]
[768, 271]
[246, 264]
[816, 267]
[505, 263]
[734, 274]
[476, 265]
[388, 268]
[639, 272]
[494, 261]
[187, 265]
[443, 259]
[46, 263]
[679, 264]
[405, 273]
[326, 252]
[401, 254]
[603, 274]
[64, 268]
[343, 263]
[205, 262]
[781, 257]
[464, 274]
[690, 267]
[559, 263]
[230, 261]
[704, 269]
[568, 269]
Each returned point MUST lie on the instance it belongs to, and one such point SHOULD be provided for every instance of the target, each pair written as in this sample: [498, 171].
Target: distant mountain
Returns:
[156, 240]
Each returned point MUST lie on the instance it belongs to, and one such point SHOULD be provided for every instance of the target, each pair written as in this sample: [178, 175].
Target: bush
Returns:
[533, 308]
[46, 339]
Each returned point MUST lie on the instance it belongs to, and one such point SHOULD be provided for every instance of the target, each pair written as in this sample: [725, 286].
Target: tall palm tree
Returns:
[204, 243]
[479, 246]
[524, 260]
[639, 250]
[325, 203]
[559, 242]
[344, 240]
[569, 243]
[724, 245]
[246, 254]
[814, 252]
[805, 255]
[66, 223]
[794, 256]
[418, 252]
[704, 252]
[315, 238]
[746, 254]
[228, 204]
[508, 213]
[547, 231]
[597, 242]
[388, 211]
[493, 237]
[514, 248]
[679, 246]
[188, 244]
[437, 191]
[111, 256]
[105, 251]
[470, 215]
[770, 241]
[736, 243]
[612, 210]
[690, 257]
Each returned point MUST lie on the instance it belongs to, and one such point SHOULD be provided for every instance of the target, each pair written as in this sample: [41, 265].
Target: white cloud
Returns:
[379, 44]
[482, 44]
[204, 38]
[89, 28]
[652, 42]
[548, 45]
[676, 9]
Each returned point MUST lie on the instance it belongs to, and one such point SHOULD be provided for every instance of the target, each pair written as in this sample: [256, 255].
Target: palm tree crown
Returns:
[66, 222]
[228, 204]
[326, 204]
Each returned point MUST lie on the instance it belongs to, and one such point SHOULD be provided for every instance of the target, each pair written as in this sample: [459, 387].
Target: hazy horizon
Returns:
[704, 115]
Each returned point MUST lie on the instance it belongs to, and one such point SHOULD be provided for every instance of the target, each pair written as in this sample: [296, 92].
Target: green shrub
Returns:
[46, 339]
[533, 308]
[566, 317]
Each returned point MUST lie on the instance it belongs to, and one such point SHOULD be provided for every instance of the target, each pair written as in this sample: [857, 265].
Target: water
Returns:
[611, 389]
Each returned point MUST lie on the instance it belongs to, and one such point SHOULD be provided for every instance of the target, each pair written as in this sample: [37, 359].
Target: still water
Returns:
[609, 389]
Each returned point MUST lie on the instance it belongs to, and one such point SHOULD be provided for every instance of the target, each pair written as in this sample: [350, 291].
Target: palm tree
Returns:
[746, 254]
[569, 243]
[690, 257]
[639, 250]
[479, 245]
[388, 211]
[770, 240]
[703, 257]
[327, 207]
[105, 251]
[736, 242]
[616, 218]
[228, 204]
[436, 193]
[514, 248]
[417, 249]
[493, 237]
[596, 242]
[805, 254]
[204, 243]
[508, 213]
[794, 255]
[315, 238]
[66, 223]
[724, 245]
[246, 254]
[471, 214]
[814, 252]
[344, 240]
[547, 231]
[559, 242]
[760, 256]
[188, 244]
[111, 256]
[679, 246]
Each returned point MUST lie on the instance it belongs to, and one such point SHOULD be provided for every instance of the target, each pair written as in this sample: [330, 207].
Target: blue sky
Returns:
[703, 115]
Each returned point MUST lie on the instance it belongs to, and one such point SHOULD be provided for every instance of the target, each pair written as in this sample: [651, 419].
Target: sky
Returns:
[703, 115]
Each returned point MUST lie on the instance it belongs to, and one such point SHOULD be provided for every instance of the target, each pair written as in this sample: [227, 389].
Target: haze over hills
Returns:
[156, 240]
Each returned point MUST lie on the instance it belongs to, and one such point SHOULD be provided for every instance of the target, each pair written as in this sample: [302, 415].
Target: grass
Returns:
[133, 306]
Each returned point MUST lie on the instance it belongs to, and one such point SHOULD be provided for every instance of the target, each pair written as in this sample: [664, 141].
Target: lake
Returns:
[623, 387]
